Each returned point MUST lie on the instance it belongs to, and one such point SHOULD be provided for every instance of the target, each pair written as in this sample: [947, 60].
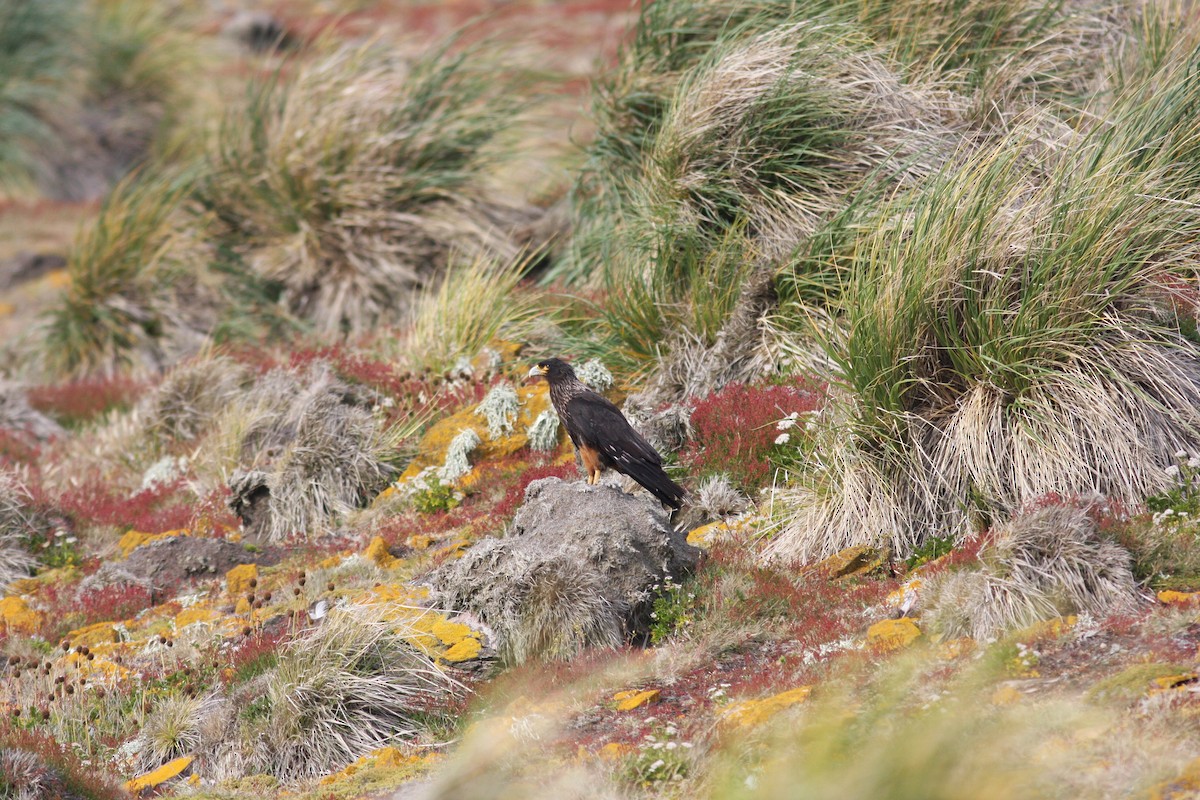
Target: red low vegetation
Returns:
[80, 401]
[735, 428]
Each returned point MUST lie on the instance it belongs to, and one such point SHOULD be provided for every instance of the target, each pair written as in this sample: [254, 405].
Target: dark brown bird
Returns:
[602, 436]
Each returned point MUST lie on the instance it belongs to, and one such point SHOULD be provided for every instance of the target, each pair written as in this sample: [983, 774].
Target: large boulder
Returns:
[578, 568]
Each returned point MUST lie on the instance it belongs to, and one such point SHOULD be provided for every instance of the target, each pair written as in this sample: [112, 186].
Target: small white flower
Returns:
[1194, 462]
[671, 745]
[1172, 470]
[656, 765]
[783, 438]
[1181, 454]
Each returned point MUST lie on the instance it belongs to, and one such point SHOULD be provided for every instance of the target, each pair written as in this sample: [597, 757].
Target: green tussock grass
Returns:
[35, 67]
[368, 172]
[1002, 335]
[134, 276]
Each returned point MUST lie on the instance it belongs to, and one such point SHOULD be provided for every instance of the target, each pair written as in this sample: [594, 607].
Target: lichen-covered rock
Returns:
[434, 447]
[169, 561]
[17, 617]
[893, 634]
[578, 568]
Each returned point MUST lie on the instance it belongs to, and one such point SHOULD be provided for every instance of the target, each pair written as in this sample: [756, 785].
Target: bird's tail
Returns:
[655, 481]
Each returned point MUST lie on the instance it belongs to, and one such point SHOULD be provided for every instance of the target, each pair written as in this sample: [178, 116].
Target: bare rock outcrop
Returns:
[578, 568]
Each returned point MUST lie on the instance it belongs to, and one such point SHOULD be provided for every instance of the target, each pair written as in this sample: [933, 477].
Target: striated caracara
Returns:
[602, 436]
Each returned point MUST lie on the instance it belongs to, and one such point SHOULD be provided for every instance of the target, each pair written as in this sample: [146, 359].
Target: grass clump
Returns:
[35, 62]
[349, 184]
[352, 685]
[1047, 563]
[139, 292]
[1003, 337]
[480, 300]
[308, 450]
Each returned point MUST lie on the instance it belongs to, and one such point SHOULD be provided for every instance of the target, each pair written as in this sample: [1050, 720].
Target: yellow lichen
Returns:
[132, 540]
[1171, 597]
[159, 776]
[955, 648]
[237, 580]
[419, 541]
[92, 635]
[752, 713]
[633, 698]
[531, 400]
[614, 751]
[851, 561]
[377, 551]
[893, 634]
[465, 650]
[17, 616]
[1185, 785]
[702, 536]
[191, 616]
[1005, 695]
[1048, 629]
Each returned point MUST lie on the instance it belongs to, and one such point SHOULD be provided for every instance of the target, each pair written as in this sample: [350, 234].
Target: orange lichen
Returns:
[132, 540]
[634, 698]
[531, 402]
[752, 713]
[17, 616]
[159, 776]
[851, 561]
[892, 634]
[237, 580]
[191, 616]
[1171, 597]
[377, 551]
[92, 635]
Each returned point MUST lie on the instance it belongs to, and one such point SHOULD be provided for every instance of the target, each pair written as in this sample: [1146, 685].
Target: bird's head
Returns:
[551, 369]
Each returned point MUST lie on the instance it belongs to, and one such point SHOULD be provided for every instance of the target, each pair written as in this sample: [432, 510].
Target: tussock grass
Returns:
[1003, 337]
[350, 184]
[16, 561]
[900, 741]
[314, 444]
[139, 292]
[173, 729]
[1040, 565]
[35, 67]
[191, 397]
[562, 612]
[480, 300]
[352, 685]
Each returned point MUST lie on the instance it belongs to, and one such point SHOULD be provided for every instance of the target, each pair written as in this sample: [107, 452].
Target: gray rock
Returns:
[579, 568]
[167, 563]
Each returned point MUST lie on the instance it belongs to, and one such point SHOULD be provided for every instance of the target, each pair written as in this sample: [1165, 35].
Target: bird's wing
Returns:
[602, 425]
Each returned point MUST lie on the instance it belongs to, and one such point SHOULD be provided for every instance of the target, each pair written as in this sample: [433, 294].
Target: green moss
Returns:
[1133, 682]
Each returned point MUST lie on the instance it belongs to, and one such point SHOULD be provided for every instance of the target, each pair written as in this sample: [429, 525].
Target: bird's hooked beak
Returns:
[535, 372]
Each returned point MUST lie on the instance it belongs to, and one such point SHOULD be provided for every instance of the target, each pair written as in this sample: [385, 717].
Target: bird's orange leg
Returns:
[591, 462]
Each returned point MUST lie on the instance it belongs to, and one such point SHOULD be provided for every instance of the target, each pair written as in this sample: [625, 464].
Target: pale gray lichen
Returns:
[499, 408]
[543, 433]
[457, 463]
[595, 375]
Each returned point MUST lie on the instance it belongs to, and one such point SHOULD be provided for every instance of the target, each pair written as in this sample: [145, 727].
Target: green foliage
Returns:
[1183, 497]
[436, 497]
[674, 606]
[931, 549]
[36, 58]
[127, 273]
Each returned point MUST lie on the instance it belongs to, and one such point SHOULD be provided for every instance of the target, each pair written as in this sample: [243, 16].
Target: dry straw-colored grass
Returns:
[352, 685]
[1043, 564]
[16, 561]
